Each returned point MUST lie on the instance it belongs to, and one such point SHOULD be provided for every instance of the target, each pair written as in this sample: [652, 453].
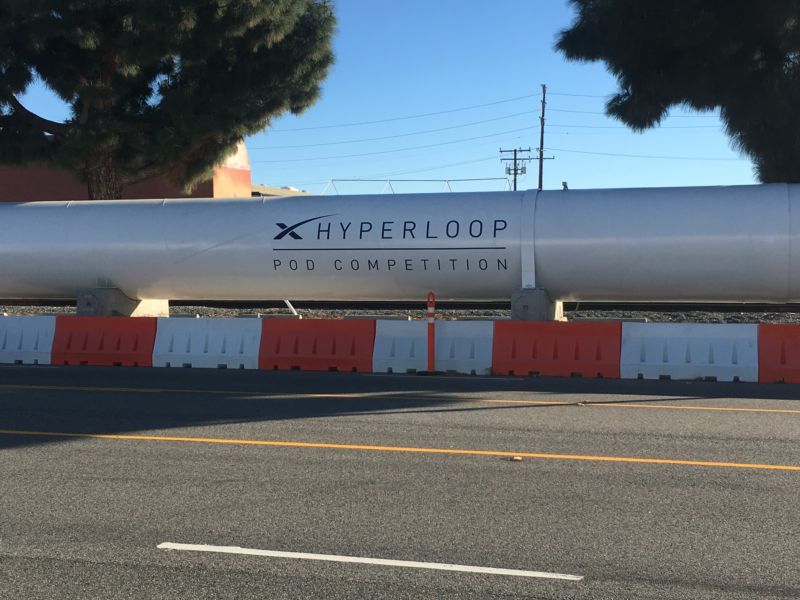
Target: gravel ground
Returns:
[686, 317]
[578, 315]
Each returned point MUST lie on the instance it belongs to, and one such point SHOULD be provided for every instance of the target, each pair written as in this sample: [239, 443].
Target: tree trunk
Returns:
[103, 179]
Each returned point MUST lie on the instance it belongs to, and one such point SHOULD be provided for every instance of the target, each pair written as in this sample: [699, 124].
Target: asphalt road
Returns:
[642, 489]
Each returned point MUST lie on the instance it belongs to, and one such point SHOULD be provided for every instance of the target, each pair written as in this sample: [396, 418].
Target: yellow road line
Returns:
[506, 401]
[65, 388]
[625, 404]
[710, 408]
[274, 395]
[394, 396]
[406, 449]
[81, 388]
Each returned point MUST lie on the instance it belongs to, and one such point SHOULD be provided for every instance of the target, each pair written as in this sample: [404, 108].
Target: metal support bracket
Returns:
[527, 252]
[112, 302]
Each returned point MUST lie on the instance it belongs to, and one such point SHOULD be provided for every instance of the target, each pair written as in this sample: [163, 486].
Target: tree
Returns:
[739, 56]
[155, 87]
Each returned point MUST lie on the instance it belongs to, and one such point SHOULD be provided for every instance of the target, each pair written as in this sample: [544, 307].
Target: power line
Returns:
[360, 180]
[426, 131]
[471, 107]
[628, 128]
[580, 95]
[391, 137]
[660, 157]
[457, 164]
[389, 182]
[493, 158]
[398, 173]
[474, 106]
[594, 112]
[619, 134]
[471, 139]
[419, 116]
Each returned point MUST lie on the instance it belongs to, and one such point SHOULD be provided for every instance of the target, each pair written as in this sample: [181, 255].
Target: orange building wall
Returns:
[232, 183]
[35, 183]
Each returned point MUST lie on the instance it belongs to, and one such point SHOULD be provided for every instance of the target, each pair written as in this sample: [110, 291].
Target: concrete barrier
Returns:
[724, 351]
[104, 341]
[400, 347]
[464, 347]
[208, 343]
[461, 347]
[778, 353]
[556, 349]
[26, 340]
[317, 345]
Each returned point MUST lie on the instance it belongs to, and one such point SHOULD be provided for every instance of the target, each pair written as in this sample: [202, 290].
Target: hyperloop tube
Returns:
[707, 244]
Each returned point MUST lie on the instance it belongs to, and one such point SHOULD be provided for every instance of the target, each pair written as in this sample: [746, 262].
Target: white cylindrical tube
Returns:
[716, 244]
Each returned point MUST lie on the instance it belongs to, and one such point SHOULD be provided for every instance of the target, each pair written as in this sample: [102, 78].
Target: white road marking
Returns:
[366, 561]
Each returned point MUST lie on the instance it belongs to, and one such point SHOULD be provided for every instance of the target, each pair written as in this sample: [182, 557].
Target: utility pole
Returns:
[541, 135]
[540, 149]
[518, 163]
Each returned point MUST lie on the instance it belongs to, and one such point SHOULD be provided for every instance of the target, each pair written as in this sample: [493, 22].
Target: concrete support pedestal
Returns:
[111, 302]
[534, 304]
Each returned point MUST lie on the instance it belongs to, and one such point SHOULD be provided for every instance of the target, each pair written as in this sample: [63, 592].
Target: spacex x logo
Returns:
[290, 229]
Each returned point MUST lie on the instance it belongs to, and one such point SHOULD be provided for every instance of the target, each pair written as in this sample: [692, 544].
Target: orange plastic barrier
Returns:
[317, 345]
[558, 349]
[104, 341]
[778, 353]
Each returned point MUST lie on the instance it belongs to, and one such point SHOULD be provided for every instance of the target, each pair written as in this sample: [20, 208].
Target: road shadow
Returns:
[120, 400]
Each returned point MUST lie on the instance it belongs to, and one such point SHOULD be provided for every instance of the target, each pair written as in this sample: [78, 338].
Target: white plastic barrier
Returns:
[461, 347]
[464, 346]
[26, 340]
[207, 343]
[724, 351]
[400, 347]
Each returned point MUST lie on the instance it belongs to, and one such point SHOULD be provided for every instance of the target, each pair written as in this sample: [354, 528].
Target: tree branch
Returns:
[47, 126]
[147, 171]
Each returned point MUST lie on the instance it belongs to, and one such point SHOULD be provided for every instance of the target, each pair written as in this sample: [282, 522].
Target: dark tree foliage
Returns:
[739, 56]
[155, 86]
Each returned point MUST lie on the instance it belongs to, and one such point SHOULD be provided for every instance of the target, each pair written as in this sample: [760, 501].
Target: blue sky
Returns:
[478, 65]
